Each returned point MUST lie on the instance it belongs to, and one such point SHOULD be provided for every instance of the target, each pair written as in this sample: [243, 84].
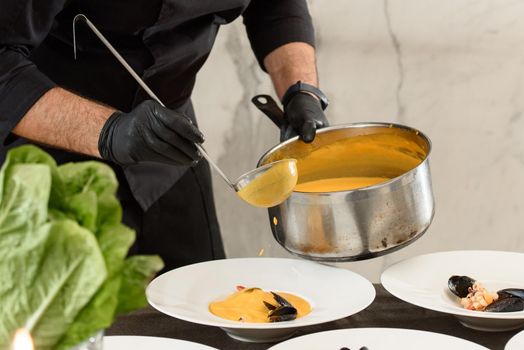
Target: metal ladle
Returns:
[279, 178]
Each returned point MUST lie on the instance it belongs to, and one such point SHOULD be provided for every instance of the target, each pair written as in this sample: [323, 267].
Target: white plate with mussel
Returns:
[260, 299]
[483, 289]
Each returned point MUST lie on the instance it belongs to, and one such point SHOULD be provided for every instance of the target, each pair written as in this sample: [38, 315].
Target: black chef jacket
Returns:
[166, 42]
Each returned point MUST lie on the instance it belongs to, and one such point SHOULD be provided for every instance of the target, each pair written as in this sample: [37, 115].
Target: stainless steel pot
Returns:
[357, 224]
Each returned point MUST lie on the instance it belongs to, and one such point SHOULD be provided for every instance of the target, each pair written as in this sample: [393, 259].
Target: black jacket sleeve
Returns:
[23, 26]
[273, 23]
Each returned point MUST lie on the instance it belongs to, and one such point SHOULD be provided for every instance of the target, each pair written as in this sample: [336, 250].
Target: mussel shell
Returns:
[511, 292]
[281, 318]
[280, 299]
[284, 310]
[459, 285]
[511, 304]
[284, 313]
[269, 306]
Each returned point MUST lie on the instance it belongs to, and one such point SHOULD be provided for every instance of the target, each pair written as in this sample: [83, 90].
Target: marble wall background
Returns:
[453, 69]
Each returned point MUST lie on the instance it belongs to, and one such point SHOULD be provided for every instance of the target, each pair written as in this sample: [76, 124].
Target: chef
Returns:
[93, 109]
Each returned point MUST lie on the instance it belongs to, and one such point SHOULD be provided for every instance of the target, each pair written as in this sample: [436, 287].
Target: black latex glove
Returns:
[304, 116]
[151, 133]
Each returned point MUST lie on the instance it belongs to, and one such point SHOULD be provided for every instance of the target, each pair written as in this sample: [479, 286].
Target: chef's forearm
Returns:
[290, 63]
[64, 120]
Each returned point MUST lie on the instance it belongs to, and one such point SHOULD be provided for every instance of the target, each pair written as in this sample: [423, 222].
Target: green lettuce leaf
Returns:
[83, 184]
[51, 280]
[137, 273]
[109, 212]
[29, 154]
[114, 242]
[75, 263]
[88, 176]
[98, 314]
[23, 205]
[23, 208]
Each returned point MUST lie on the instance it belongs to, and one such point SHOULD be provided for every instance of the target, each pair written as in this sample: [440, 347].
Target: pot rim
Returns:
[359, 125]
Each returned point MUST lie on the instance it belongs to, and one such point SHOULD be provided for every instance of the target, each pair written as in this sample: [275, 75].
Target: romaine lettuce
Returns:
[63, 268]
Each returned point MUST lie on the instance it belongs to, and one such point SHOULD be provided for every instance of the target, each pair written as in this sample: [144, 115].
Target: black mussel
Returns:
[283, 312]
[510, 304]
[280, 300]
[460, 285]
[269, 306]
[511, 292]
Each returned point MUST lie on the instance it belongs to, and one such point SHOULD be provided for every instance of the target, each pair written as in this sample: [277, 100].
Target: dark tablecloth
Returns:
[385, 311]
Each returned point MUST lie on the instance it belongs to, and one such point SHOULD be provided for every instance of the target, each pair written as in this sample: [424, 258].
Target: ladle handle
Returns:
[269, 107]
[215, 166]
[142, 84]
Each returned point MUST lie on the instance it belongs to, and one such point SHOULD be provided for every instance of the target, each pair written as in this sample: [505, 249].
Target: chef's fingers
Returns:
[179, 123]
[309, 129]
[172, 138]
[165, 152]
[287, 132]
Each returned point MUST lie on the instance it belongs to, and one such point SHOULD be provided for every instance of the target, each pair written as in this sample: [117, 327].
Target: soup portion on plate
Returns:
[259, 306]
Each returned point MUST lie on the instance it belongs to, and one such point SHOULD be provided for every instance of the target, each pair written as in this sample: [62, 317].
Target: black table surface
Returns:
[385, 311]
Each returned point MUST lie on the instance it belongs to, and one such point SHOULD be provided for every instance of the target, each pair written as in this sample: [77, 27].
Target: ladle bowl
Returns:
[268, 185]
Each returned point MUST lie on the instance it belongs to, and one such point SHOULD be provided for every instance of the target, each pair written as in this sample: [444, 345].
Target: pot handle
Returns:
[269, 107]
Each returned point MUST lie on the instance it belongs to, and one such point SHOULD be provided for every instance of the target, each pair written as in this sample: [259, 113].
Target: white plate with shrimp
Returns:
[333, 293]
[423, 281]
[377, 339]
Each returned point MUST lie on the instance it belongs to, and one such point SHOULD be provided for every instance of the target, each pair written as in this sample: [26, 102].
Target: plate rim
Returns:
[226, 324]
[145, 337]
[358, 329]
[517, 337]
[519, 315]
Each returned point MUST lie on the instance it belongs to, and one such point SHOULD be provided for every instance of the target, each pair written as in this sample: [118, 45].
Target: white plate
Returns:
[516, 342]
[127, 342]
[377, 339]
[423, 281]
[333, 293]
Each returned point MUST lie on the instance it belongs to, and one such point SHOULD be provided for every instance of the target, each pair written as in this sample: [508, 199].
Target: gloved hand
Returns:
[304, 115]
[152, 133]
